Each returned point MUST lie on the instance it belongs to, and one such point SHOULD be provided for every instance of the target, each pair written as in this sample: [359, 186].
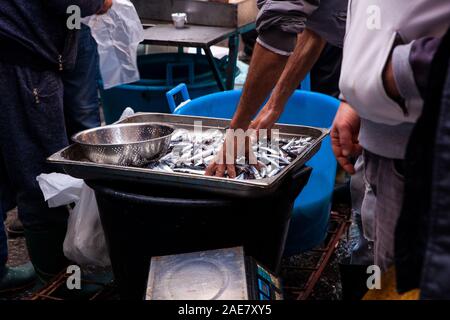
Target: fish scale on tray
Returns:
[191, 153]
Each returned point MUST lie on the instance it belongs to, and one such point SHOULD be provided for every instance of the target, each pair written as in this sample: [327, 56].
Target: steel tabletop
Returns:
[191, 36]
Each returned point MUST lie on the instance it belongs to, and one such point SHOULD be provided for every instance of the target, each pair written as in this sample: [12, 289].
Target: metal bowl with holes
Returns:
[134, 144]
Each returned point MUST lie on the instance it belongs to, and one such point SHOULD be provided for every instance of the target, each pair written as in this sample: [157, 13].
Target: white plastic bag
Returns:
[118, 34]
[60, 189]
[128, 112]
[85, 241]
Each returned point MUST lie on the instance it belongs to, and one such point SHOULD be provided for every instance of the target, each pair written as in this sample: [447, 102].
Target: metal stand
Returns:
[200, 37]
[339, 224]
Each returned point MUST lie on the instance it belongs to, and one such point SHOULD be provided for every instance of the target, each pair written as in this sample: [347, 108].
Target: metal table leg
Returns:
[215, 68]
[233, 44]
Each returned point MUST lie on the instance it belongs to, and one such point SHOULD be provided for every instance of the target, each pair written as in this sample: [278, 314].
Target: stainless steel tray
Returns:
[72, 161]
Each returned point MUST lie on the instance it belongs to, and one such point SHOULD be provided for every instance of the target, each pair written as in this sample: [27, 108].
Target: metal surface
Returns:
[125, 144]
[74, 163]
[208, 275]
[190, 36]
[235, 14]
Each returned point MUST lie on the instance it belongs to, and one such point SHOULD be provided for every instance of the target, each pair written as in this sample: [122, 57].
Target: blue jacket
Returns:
[422, 241]
[34, 33]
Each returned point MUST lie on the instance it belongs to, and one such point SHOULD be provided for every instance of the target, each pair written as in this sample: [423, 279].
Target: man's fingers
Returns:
[346, 164]
[335, 143]
[338, 152]
[231, 171]
[220, 170]
[211, 169]
[346, 141]
[259, 165]
[349, 168]
[106, 6]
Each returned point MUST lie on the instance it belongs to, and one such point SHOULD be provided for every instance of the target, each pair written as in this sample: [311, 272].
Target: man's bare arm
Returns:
[307, 51]
[264, 72]
[265, 69]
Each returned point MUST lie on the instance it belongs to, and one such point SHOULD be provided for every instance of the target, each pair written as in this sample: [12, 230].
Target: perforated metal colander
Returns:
[125, 144]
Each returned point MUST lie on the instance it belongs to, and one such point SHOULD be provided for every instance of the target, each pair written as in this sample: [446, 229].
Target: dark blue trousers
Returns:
[81, 103]
[7, 203]
[31, 129]
[3, 244]
[3, 248]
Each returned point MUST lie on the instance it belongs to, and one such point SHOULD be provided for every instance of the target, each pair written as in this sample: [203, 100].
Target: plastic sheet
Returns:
[118, 34]
[85, 241]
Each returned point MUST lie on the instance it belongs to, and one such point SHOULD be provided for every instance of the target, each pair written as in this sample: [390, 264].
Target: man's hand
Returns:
[389, 81]
[106, 6]
[267, 117]
[266, 67]
[219, 165]
[233, 147]
[344, 136]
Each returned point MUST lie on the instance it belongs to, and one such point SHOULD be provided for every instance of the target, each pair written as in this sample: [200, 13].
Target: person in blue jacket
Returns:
[37, 48]
[81, 102]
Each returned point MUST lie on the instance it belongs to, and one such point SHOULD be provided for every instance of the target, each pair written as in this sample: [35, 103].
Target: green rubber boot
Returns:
[17, 278]
[45, 248]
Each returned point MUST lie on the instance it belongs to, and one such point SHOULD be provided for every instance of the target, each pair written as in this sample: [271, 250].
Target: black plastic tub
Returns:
[141, 221]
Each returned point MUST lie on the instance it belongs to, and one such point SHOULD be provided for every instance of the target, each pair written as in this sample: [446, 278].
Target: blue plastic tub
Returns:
[160, 73]
[311, 213]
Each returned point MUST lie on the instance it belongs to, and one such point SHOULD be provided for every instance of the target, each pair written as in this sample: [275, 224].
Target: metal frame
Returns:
[342, 222]
[167, 35]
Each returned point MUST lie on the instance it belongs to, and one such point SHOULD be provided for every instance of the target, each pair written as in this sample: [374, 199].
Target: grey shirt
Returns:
[408, 37]
[279, 22]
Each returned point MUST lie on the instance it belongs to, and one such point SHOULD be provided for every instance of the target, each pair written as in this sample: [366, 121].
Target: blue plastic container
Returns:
[311, 213]
[160, 73]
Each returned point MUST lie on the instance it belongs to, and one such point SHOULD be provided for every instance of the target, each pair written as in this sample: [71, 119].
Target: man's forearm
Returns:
[269, 70]
[307, 52]
[264, 72]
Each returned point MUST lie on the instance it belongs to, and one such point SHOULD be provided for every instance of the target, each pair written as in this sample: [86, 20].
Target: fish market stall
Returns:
[165, 205]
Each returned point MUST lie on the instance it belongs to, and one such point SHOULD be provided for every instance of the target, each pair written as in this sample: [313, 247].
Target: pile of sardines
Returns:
[191, 153]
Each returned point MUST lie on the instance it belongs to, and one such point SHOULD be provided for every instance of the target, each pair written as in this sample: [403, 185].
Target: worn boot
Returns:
[45, 248]
[17, 278]
[15, 228]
